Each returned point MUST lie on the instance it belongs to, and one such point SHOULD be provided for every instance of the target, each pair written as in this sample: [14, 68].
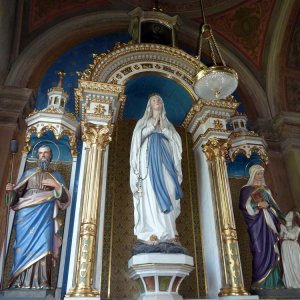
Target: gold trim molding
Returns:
[229, 103]
[90, 91]
[57, 134]
[101, 62]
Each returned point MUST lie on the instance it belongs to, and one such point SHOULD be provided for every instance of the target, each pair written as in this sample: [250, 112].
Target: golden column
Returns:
[96, 138]
[216, 150]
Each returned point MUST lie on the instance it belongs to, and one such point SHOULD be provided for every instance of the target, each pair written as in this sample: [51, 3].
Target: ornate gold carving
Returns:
[201, 136]
[101, 87]
[96, 134]
[243, 133]
[122, 101]
[88, 228]
[107, 88]
[153, 238]
[197, 107]
[99, 109]
[35, 111]
[50, 127]
[234, 272]
[168, 69]
[53, 110]
[119, 45]
[216, 148]
[147, 66]
[72, 141]
[29, 132]
[229, 234]
[127, 70]
[247, 150]
[218, 124]
[70, 116]
[188, 80]
[104, 59]
[202, 121]
[78, 97]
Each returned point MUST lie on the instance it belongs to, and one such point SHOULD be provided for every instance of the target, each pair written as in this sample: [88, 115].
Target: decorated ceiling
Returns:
[246, 29]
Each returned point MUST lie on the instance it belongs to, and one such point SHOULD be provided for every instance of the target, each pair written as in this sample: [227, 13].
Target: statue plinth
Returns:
[159, 275]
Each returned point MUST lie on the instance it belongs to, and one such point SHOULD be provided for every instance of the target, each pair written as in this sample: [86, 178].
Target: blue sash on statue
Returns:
[159, 156]
[35, 235]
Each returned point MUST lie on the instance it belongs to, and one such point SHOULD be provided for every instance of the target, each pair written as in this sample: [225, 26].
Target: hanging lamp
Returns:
[217, 81]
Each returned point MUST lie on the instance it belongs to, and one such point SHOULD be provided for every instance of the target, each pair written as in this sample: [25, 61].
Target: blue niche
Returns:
[240, 167]
[60, 148]
[176, 99]
[75, 59]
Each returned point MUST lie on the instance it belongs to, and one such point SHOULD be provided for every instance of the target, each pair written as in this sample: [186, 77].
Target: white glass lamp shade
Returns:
[216, 82]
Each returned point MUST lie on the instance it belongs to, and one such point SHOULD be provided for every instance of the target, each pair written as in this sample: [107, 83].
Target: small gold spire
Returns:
[61, 76]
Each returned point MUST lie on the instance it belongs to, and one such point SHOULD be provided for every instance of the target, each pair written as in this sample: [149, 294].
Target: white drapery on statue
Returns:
[155, 184]
[290, 251]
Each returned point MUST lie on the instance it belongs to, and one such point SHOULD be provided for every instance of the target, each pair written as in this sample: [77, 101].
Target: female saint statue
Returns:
[263, 218]
[290, 250]
[155, 175]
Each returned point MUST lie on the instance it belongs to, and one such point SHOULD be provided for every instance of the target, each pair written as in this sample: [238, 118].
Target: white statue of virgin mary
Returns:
[155, 175]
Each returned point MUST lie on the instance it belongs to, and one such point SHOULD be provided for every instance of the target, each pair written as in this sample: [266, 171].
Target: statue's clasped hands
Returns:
[159, 121]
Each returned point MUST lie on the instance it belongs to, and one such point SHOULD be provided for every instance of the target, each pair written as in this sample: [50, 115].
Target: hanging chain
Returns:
[200, 48]
[211, 47]
[218, 50]
[211, 40]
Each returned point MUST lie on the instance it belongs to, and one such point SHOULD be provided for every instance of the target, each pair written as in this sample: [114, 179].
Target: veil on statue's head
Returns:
[289, 218]
[148, 111]
[253, 171]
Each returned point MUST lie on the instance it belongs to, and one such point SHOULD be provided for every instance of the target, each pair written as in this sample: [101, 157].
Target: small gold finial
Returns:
[157, 6]
[61, 76]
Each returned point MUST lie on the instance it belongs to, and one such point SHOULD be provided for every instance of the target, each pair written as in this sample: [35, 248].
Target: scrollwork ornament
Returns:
[88, 229]
[229, 234]
[216, 148]
[96, 134]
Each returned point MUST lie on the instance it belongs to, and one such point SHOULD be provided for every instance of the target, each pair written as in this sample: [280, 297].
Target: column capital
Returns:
[216, 148]
[96, 134]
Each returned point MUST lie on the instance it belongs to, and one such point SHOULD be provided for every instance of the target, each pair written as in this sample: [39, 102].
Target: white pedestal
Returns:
[159, 275]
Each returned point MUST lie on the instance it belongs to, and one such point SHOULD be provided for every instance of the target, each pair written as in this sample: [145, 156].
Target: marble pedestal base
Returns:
[159, 275]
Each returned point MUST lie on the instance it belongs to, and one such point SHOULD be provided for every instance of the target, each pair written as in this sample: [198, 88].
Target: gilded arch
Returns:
[126, 61]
